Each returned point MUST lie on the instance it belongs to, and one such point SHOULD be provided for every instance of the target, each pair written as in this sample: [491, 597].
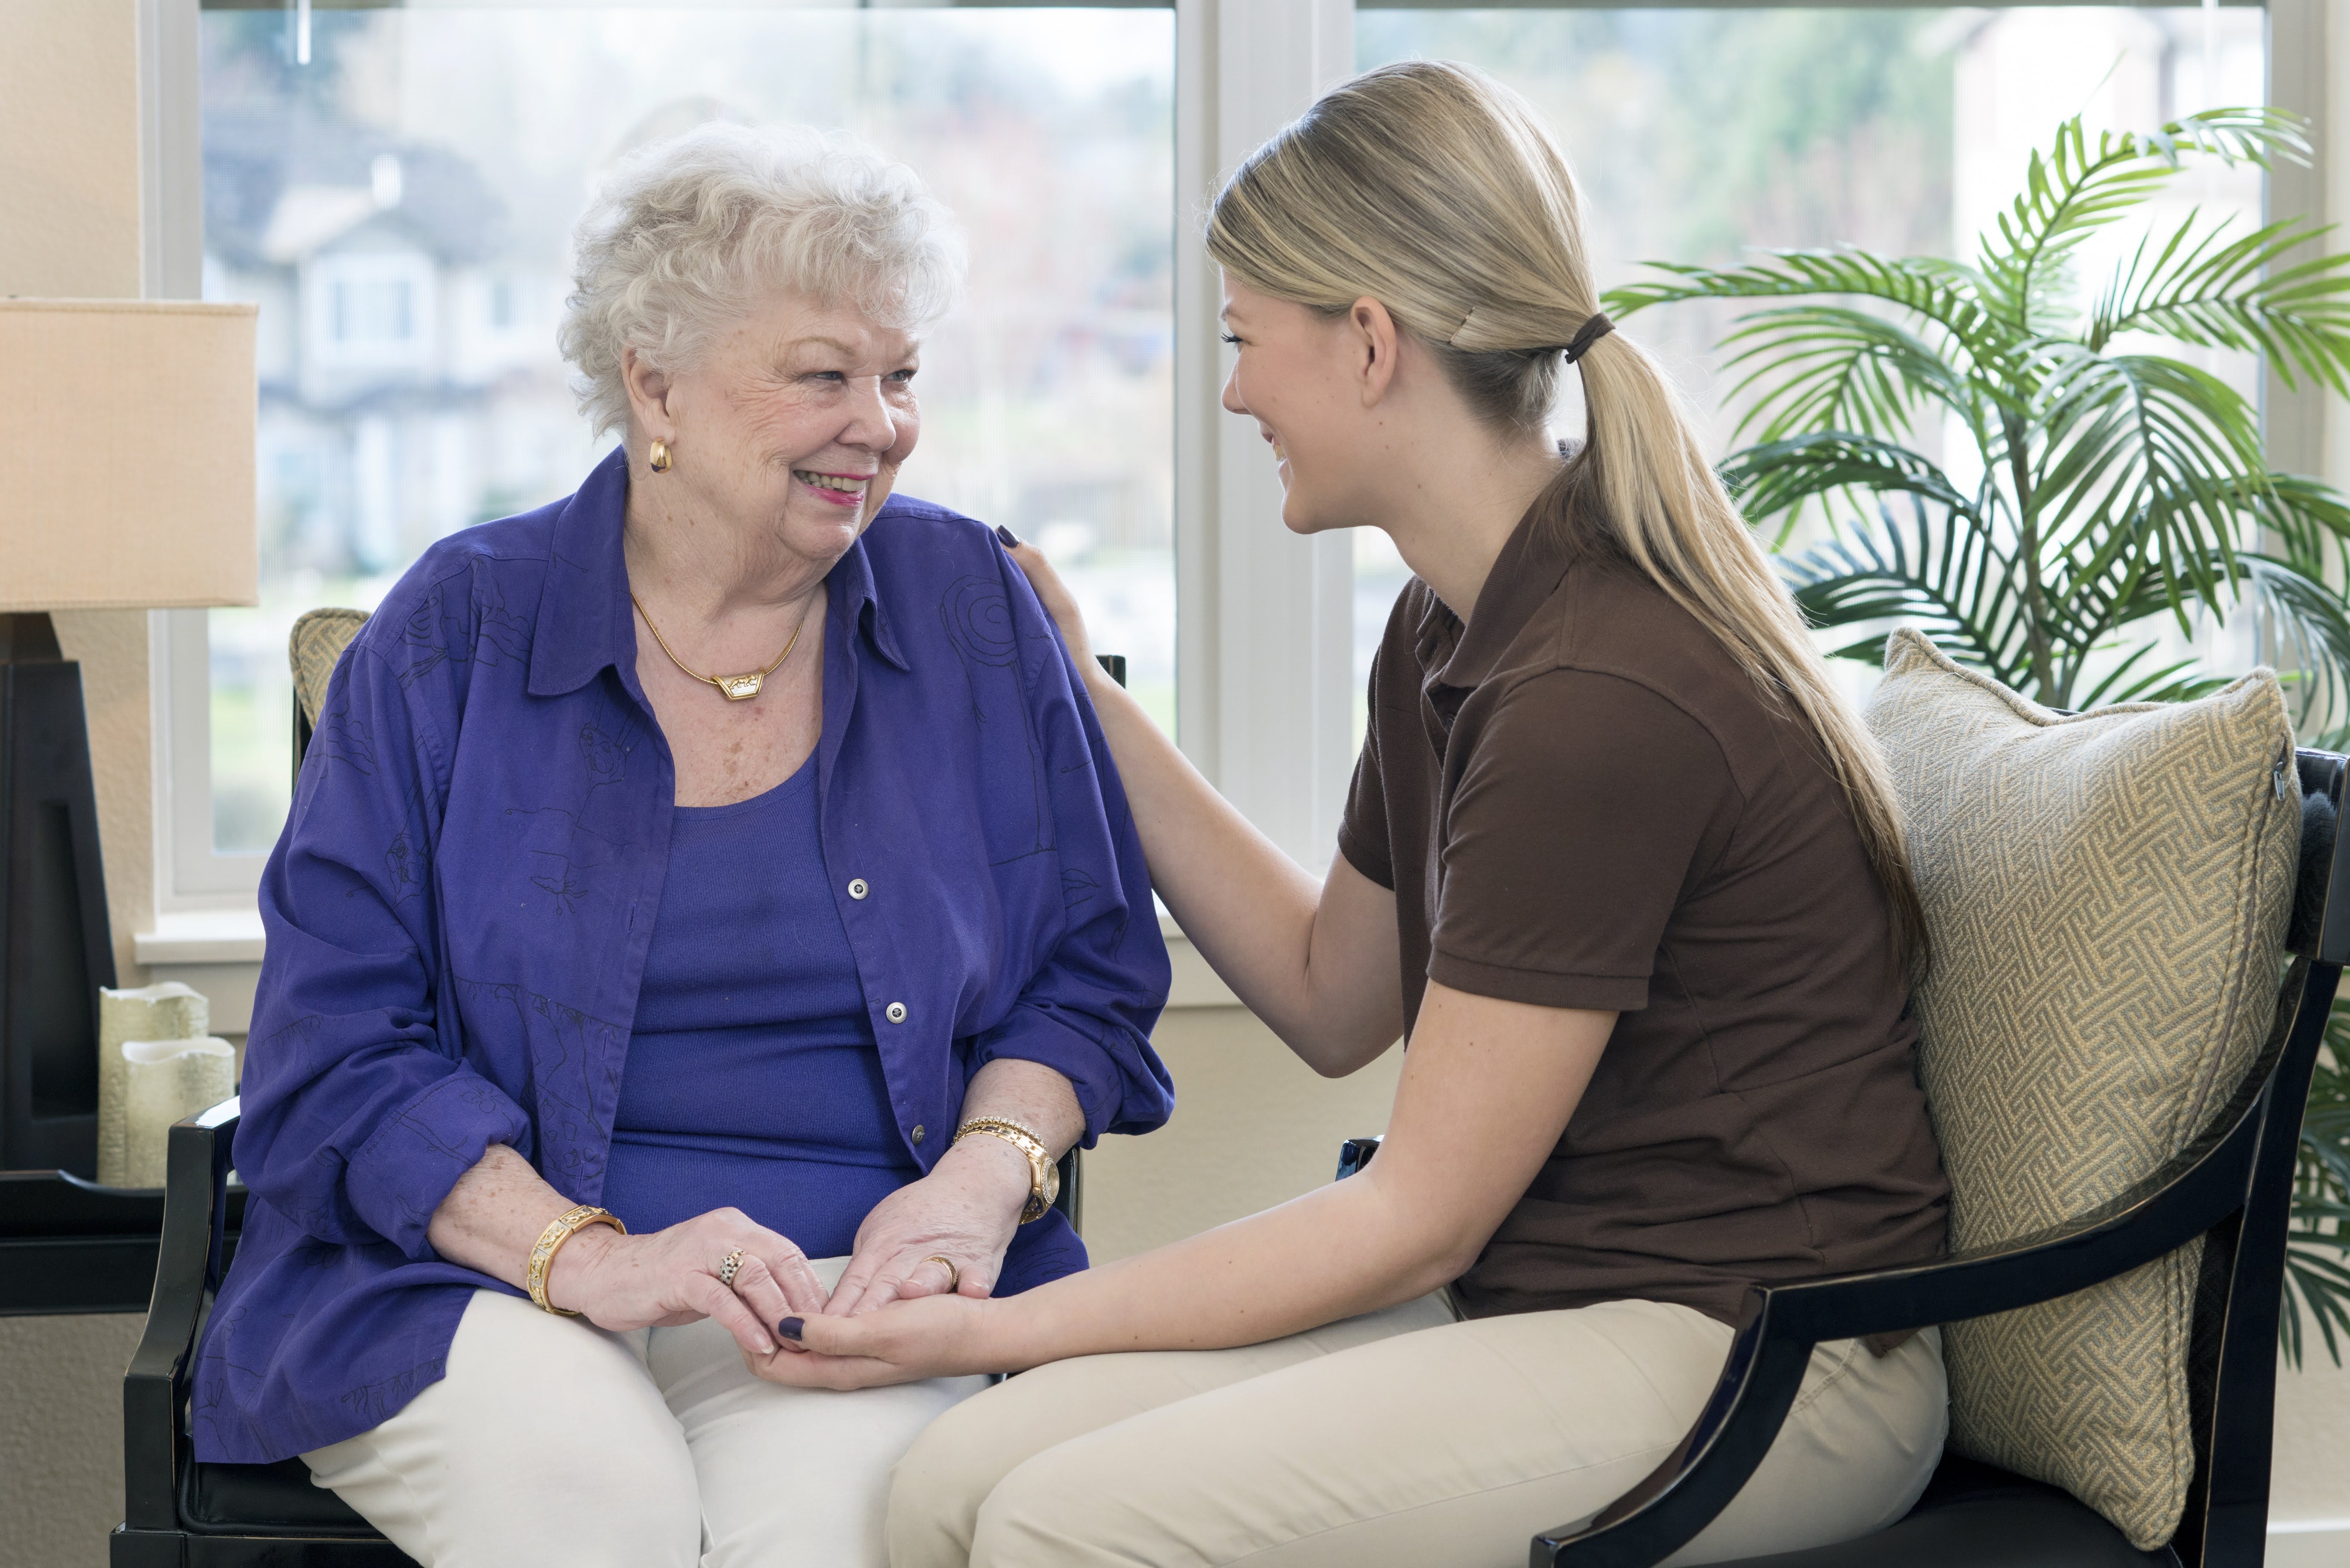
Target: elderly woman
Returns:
[627, 994]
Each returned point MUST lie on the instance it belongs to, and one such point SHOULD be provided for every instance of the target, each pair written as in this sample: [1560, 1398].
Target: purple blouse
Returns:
[753, 1079]
[458, 912]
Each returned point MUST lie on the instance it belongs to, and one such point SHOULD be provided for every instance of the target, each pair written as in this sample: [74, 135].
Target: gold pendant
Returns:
[740, 688]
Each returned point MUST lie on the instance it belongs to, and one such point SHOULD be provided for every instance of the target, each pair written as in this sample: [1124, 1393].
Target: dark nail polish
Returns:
[1011, 540]
[790, 1329]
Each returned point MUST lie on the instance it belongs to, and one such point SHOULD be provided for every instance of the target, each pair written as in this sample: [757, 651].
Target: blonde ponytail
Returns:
[1437, 192]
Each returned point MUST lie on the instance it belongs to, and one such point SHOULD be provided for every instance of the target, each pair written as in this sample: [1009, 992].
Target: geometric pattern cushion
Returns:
[2107, 897]
[318, 641]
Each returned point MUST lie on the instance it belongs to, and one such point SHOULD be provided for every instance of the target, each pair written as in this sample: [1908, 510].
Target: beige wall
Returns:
[69, 148]
[1254, 1126]
[70, 183]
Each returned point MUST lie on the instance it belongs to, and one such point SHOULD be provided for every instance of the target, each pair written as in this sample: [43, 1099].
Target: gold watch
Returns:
[1044, 1172]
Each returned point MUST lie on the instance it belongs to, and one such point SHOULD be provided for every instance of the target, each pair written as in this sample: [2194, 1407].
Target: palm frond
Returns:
[1953, 583]
[2146, 455]
[2321, 1284]
[2309, 517]
[1777, 478]
[2238, 294]
[2182, 680]
[2079, 186]
[1941, 292]
[2317, 1260]
[1823, 367]
[2307, 628]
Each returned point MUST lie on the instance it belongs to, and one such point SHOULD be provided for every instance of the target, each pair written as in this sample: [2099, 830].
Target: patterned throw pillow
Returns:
[315, 644]
[2106, 896]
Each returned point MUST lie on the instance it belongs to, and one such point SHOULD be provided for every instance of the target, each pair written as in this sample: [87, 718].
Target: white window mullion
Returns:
[1264, 617]
[190, 875]
[2294, 421]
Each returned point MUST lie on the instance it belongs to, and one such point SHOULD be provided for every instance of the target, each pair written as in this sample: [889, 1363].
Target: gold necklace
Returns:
[736, 688]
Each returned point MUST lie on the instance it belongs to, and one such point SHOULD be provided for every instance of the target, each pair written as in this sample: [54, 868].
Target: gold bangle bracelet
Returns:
[1043, 1174]
[550, 1241]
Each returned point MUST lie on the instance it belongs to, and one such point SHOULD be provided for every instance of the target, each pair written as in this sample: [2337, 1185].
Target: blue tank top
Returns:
[752, 1077]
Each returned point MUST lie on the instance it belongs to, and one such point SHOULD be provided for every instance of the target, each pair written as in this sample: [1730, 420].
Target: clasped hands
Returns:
[966, 1210]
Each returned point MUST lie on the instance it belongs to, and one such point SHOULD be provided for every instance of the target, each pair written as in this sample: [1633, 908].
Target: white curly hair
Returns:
[687, 233]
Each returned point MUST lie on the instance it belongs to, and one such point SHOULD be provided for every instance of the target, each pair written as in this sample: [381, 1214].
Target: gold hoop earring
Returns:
[659, 460]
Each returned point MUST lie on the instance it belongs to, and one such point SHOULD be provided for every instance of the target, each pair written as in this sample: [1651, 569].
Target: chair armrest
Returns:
[2187, 1196]
[1071, 1201]
[1356, 1153]
[187, 1271]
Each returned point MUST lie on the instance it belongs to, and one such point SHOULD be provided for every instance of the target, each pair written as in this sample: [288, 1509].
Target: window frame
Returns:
[1253, 601]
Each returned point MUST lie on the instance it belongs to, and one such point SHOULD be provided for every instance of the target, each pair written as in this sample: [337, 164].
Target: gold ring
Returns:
[954, 1276]
[727, 1267]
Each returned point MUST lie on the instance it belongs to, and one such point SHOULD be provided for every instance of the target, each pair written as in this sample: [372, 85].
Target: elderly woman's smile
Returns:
[836, 489]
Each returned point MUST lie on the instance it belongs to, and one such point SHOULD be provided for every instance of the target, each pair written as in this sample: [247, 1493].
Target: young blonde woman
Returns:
[1618, 862]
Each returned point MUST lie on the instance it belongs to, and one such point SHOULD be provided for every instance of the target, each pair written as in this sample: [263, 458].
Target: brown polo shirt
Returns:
[1581, 800]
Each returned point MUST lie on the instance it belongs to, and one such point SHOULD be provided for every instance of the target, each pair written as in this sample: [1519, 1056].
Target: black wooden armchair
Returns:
[2232, 1187]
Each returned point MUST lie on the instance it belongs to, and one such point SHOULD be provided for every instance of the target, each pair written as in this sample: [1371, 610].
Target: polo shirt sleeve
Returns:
[1588, 806]
[1363, 827]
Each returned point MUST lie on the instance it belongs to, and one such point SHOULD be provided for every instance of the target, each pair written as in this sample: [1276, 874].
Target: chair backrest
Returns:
[313, 649]
[2108, 897]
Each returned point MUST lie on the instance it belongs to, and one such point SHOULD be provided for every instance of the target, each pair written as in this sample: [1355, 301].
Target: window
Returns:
[1698, 133]
[399, 204]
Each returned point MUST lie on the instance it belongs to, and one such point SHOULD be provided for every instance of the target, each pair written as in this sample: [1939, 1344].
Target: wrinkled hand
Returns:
[938, 1336]
[665, 1278]
[966, 1209]
[1058, 602]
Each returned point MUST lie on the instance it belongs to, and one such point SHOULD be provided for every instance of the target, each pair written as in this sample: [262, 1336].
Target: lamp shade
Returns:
[130, 426]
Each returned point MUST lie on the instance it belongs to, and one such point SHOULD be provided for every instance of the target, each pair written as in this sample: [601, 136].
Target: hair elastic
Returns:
[1595, 327]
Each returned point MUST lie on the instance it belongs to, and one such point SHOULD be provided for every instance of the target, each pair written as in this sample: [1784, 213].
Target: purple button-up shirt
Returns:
[458, 909]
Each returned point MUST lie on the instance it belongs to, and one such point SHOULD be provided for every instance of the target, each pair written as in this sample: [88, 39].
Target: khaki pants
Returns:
[553, 1441]
[1399, 1437]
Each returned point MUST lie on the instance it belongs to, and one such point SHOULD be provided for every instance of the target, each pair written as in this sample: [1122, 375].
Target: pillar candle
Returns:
[166, 1012]
[165, 1080]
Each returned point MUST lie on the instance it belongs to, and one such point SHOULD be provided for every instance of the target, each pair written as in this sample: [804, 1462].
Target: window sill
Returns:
[201, 936]
[218, 951]
[215, 952]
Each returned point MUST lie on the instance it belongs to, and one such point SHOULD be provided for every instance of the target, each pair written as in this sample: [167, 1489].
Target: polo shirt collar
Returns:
[1532, 562]
[586, 623]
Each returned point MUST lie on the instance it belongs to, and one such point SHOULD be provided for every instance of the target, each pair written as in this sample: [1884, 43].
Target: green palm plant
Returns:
[2094, 490]
[2313, 1265]
[2100, 488]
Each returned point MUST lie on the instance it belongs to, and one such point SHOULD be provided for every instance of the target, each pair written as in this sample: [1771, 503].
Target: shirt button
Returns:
[918, 1132]
[895, 1013]
[856, 887]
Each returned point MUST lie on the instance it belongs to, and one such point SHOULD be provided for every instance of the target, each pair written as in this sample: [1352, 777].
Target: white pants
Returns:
[553, 1441]
[1399, 1440]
